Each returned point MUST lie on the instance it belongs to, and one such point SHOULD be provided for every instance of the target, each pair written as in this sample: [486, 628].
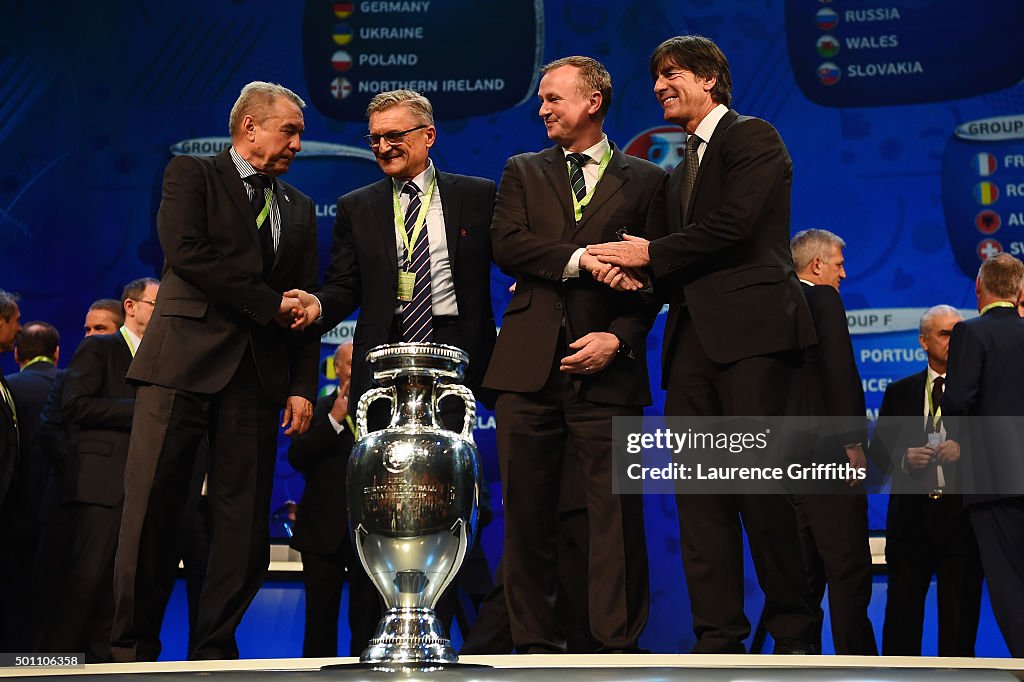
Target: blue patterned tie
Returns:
[417, 319]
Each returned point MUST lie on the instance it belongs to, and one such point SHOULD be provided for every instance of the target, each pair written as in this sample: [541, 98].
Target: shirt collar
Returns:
[244, 168]
[135, 338]
[596, 152]
[706, 128]
[932, 375]
[422, 180]
[810, 284]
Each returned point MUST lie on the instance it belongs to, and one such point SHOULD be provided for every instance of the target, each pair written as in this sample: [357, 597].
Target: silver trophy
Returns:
[413, 497]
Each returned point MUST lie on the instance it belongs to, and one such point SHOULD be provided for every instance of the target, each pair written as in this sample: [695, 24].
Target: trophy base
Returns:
[410, 635]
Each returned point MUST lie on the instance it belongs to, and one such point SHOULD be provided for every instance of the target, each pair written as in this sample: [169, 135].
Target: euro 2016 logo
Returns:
[663, 145]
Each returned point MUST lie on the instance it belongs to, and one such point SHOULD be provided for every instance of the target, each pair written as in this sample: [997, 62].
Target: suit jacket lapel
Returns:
[236, 190]
[710, 150]
[451, 208]
[383, 209]
[616, 174]
[557, 173]
[4, 405]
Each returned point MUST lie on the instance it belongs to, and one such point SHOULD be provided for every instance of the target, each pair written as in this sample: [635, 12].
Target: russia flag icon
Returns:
[829, 73]
[985, 164]
[827, 19]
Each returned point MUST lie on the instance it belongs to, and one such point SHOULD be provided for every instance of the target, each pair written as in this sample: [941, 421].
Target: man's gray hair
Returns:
[418, 104]
[807, 245]
[8, 304]
[935, 311]
[256, 99]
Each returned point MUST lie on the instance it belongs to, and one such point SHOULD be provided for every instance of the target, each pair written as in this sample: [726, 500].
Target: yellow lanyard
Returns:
[421, 218]
[37, 359]
[128, 340]
[577, 205]
[996, 304]
[351, 426]
[10, 401]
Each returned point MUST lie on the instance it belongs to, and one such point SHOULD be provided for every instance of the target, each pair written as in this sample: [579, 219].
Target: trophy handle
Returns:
[364, 405]
[468, 398]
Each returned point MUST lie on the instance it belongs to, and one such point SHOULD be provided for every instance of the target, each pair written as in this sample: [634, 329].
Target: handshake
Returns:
[618, 264]
[298, 309]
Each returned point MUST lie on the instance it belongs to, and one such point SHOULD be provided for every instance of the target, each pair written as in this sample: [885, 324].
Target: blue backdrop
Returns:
[905, 121]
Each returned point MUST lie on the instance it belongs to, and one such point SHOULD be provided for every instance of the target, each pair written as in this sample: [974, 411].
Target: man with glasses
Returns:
[411, 251]
[99, 405]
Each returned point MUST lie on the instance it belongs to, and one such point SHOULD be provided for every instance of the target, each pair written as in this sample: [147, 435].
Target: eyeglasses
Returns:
[144, 300]
[394, 138]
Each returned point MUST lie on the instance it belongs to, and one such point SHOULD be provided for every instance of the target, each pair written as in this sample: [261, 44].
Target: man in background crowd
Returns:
[321, 532]
[827, 387]
[986, 373]
[926, 534]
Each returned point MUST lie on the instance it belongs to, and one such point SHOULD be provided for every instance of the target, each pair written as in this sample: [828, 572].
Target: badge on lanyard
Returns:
[406, 284]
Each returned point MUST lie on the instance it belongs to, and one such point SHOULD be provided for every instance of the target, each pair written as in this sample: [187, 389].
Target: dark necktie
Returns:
[576, 180]
[691, 162]
[937, 386]
[260, 185]
[417, 319]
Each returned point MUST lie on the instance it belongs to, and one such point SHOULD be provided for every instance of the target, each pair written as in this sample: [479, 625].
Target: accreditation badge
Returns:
[406, 283]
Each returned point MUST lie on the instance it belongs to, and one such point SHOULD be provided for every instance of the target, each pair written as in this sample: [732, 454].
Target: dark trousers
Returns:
[492, 632]
[323, 576]
[999, 529]
[84, 608]
[834, 532]
[167, 429]
[532, 429]
[927, 537]
[711, 526]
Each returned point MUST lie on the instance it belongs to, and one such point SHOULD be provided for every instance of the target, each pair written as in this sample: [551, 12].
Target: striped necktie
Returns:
[576, 180]
[417, 318]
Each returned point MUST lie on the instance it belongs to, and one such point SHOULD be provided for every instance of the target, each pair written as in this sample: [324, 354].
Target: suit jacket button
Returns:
[558, 306]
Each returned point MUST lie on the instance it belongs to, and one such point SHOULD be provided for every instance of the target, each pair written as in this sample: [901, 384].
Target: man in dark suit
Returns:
[10, 324]
[218, 361]
[36, 350]
[98, 405]
[54, 442]
[321, 525]
[827, 386]
[925, 534]
[570, 357]
[439, 289]
[736, 326]
[986, 372]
